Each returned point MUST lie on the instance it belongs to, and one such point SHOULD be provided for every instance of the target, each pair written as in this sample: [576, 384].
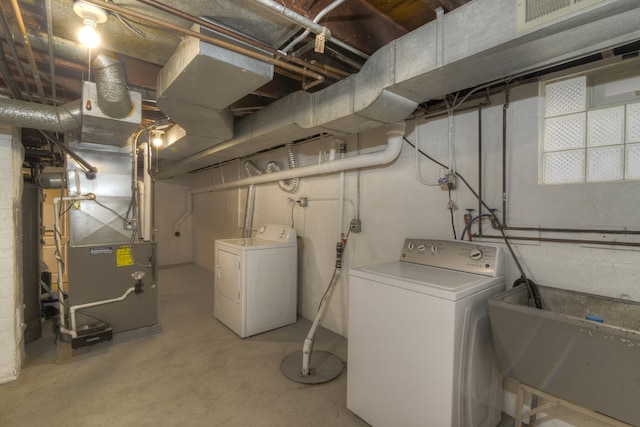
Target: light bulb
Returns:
[156, 138]
[88, 35]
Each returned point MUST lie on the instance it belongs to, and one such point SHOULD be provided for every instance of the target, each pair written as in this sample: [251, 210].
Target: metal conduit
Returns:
[211, 26]
[317, 19]
[307, 23]
[205, 38]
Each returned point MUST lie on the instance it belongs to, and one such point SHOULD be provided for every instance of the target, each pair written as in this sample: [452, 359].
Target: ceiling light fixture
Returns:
[157, 138]
[91, 16]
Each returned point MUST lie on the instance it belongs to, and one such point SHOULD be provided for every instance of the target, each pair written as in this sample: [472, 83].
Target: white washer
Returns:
[255, 284]
[420, 351]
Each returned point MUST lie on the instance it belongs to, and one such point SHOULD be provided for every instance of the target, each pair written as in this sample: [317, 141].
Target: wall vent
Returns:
[534, 13]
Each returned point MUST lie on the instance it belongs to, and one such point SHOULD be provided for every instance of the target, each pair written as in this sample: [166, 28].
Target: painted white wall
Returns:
[394, 205]
[11, 314]
[170, 203]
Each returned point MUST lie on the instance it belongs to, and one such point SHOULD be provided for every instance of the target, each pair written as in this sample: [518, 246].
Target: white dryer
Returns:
[420, 351]
[255, 283]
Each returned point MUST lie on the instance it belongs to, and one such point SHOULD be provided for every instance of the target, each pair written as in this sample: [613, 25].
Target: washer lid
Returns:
[251, 243]
[438, 282]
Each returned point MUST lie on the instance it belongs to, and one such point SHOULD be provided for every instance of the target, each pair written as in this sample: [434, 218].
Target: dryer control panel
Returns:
[276, 233]
[469, 257]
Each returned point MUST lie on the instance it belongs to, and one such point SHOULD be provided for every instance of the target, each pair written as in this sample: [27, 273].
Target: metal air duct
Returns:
[111, 96]
[198, 84]
[474, 44]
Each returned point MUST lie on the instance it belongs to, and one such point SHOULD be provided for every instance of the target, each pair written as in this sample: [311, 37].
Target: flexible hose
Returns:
[532, 290]
[474, 219]
[251, 169]
[288, 185]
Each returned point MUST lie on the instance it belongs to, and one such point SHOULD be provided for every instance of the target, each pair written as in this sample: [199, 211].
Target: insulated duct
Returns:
[26, 114]
[111, 86]
[111, 83]
[455, 52]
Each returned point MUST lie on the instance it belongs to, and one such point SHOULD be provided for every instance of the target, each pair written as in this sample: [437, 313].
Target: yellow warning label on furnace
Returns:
[123, 256]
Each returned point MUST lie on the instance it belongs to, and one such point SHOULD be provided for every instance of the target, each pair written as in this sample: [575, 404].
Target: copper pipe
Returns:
[555, 240]
[505, 107]
[205, 38]
[52, 57]
[566, 230]
[240, 37]
[329, 68]
[27, 44]
[12, 45]
[8, 76]
[209, 25]
[479, 168]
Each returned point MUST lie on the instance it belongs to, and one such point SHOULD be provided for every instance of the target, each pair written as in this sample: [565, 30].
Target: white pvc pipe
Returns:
[341, 195]
[60, 263]
[146, 230]
[395, 132]
[308, 341]
[187, 214]
[142, 208]
[72, 310]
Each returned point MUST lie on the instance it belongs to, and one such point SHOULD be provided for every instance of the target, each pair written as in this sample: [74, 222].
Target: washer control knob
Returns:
[434, 248]
[421, 247]
[411, 246]
[475, 254]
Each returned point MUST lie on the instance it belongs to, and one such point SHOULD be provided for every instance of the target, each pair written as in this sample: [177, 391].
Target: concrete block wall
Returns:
[394, 206]
[11, 319]
[170, 201]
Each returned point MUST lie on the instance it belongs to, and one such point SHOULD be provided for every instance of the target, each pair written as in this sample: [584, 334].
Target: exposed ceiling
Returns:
[40, 72]
[257, 80]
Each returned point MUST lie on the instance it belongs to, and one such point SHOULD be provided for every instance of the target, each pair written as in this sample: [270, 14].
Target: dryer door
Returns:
[228, 275]
[227, 298]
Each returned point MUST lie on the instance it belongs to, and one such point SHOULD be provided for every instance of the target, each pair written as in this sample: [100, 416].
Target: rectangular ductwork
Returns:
[99, 128]
[477, 43]
[199, 83]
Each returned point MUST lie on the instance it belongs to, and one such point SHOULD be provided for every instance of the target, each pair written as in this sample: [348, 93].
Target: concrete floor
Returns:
[189, 371]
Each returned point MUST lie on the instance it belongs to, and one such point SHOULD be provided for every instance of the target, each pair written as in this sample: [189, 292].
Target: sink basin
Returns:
[592, 363]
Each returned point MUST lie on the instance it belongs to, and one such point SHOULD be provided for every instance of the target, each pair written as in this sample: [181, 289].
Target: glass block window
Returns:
[587, 144]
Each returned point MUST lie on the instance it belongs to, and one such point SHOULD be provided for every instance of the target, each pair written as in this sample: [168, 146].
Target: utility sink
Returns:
[592, 363]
